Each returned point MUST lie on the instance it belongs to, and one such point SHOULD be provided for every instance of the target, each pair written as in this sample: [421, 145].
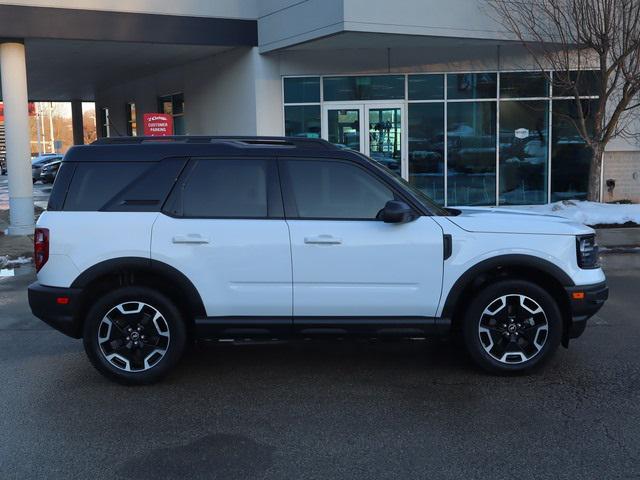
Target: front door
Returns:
[346, 262]
[373, 129]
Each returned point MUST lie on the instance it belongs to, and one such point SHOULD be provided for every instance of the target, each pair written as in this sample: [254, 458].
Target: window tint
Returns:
[336, 190]
[471, 85]
[426, 87]
[60, 186]
[227, 189]
[148, 193]
[302, 90]
[302, 121]
[376, 87]
[523, 84]
[426, 148]
[94, 184]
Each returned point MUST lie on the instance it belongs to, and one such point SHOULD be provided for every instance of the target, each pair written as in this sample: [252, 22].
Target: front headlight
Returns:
[587, 251]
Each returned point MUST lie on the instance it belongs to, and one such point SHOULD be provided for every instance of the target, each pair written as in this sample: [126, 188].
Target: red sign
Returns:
[32, 110]
[157, 124]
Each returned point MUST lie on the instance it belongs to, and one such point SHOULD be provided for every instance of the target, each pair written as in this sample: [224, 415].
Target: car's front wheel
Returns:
[134, 335]
[512, 326]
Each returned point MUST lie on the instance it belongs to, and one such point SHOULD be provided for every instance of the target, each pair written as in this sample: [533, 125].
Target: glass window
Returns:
[105, 123]
[570, 156]
[132, 127]
[588, 82]
[177, 104]
[385, 137]
[335, 190]
[166, 105]
[227, 189]
[523, 152]
[302, 90]
[426, 87]
[523, 85]
[471, 85]
[471, 171]
[302, 121]
[344, 128]
[426, 148]
[174, 105]
[94, 184]
[377, 87]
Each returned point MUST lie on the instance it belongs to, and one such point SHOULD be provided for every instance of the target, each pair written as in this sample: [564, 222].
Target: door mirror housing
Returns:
[396, 211]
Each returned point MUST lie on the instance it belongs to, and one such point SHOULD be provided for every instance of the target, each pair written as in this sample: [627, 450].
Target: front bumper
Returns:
[584, 302]
[46, 304]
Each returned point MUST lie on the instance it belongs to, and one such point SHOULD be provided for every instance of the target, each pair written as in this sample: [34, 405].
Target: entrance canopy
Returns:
[61, 70]
[72, 53]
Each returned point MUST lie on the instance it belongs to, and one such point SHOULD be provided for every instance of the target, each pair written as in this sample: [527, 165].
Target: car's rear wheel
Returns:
[134, 335]
[512, 326]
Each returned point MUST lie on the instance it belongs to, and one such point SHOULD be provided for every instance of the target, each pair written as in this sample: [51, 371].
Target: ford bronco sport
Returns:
[147, 244]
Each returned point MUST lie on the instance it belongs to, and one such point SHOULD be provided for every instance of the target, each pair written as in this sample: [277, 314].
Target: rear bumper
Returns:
[582, 309]
[45, 304]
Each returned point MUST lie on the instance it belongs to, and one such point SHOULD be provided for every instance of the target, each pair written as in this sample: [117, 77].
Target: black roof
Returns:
[153, 149]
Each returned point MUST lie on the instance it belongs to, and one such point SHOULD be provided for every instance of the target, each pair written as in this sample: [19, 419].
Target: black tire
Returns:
[170, 338]
[525, 346]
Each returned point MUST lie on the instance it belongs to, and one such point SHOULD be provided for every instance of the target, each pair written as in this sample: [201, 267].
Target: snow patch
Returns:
[588, 213]
[5, 261]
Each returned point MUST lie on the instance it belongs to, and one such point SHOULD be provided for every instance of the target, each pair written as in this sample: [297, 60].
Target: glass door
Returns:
[342, 126]
[373, 129]
[384, 135]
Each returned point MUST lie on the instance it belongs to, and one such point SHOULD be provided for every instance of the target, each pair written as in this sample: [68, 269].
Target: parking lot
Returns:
[41, 193]
[324, 410]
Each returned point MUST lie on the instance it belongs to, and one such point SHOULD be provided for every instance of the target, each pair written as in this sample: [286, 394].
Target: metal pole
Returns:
[38, 130]
[53, 145]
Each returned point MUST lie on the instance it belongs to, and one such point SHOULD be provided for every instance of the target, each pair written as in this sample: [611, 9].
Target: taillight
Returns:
[41, 247]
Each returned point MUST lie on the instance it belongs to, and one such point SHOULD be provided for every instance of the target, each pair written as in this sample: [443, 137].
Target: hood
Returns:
[506, 220]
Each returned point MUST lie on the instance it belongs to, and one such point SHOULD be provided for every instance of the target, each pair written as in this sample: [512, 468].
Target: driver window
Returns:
[335, 190]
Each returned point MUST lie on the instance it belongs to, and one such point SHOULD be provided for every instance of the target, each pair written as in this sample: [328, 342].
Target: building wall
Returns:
[246, 9]
[624, 169]
[285, 23]
[237, 92]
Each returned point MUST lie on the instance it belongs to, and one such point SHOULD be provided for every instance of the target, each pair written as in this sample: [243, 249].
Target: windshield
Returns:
[427, 201]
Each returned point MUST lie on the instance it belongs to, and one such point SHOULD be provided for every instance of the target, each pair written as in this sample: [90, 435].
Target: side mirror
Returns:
[396, 211]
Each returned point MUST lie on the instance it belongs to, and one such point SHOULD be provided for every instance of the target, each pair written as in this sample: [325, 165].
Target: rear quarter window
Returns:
[94, 184]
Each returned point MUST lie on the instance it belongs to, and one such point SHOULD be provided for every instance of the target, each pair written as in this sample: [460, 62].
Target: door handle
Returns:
[194, 238]
[323, 240]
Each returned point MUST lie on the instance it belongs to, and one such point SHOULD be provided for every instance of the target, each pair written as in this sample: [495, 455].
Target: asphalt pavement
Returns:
[325, 410]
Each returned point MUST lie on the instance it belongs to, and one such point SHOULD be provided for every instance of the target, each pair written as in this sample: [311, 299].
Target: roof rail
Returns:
[246, 140]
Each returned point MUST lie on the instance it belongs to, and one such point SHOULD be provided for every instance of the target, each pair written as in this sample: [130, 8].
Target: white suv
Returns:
[147, 244]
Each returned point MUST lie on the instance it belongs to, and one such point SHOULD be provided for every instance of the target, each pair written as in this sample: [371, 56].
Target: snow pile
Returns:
[6, 262]
[589, 213]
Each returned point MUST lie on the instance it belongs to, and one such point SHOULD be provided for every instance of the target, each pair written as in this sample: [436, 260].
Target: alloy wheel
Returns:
[133, 336]
[513, 329]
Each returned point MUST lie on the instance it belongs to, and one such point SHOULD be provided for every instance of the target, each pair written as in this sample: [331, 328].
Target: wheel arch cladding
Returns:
[123, 271]
[537, 270]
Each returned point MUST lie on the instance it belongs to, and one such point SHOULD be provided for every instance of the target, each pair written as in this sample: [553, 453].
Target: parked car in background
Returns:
[40, 161]
[50, 170]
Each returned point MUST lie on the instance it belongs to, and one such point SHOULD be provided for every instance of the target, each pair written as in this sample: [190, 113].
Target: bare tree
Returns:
[568, 40]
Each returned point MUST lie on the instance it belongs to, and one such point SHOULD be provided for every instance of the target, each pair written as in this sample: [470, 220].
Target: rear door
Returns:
[346, 262]
[223, 228]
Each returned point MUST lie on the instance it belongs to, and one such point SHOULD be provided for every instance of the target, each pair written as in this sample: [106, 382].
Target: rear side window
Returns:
[220, 188]
[94, 184]
[334, 190]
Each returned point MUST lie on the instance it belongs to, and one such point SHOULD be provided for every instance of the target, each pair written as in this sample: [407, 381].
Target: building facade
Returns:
[437, 91]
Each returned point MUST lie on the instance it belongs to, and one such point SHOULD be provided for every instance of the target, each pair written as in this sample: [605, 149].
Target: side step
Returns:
[303, 327]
